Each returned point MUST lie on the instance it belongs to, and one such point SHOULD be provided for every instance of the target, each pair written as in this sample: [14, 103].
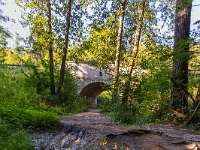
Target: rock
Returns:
[72, 137]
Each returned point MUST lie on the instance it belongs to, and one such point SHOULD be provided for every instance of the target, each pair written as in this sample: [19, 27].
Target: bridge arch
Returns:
[92, 90]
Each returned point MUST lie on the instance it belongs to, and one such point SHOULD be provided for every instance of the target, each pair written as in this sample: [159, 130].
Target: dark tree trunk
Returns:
[179, 100]
[62, 70]
[50, 44]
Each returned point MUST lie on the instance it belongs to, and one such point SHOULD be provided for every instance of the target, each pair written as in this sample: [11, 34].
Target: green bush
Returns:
[27, 118]
[122, 114]
[69, 91]
[42, 119]
[20, 109]
[18, 141]
[37, 78]
[13, 139]
[153, 97]
[194, 122]
[19, 104]
[105, 101]
[148, 100]
[76, 107]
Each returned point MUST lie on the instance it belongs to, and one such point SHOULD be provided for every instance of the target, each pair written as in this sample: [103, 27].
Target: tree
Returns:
[118, 46]
[97, 49]
[50, 48]
[62, 70]
[38, 17]
[3, 36]
[49, 23]
[179, 100]
[134, 51]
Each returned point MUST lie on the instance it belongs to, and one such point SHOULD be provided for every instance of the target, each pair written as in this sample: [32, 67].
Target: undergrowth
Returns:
[23, 109]
[150, 104]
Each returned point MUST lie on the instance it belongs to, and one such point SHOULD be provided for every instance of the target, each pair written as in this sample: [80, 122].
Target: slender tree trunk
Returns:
[197, 99]
[118, 48]
[179, 100]
[50, 44]
[62, 70]
[134, 51]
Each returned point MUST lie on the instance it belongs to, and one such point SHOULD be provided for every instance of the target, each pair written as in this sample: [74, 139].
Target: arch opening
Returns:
[92, 91]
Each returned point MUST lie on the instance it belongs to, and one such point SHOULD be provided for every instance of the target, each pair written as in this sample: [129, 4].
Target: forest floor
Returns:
[95, 131]
[152, 137]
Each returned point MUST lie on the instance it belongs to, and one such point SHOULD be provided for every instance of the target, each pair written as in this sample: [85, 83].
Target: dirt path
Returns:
[153, 137]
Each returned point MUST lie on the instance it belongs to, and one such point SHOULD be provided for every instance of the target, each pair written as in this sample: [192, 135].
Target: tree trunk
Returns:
[118, 47]
[134, 51]
[62, 70]
[50, 44]
[197, 99]
[179, 100]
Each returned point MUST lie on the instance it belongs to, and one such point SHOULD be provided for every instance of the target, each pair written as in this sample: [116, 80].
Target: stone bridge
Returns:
[90, 79]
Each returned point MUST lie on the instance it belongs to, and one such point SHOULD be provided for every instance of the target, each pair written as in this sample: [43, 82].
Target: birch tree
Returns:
[119, 44]
[135, 50]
